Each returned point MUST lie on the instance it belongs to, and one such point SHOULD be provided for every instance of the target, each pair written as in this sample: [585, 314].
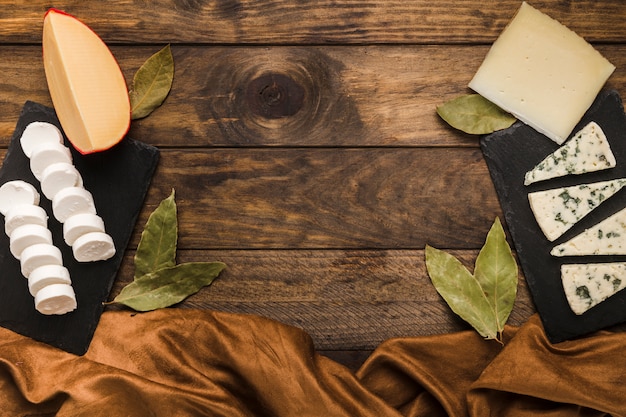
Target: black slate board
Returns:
[509, 155]
[118, 179]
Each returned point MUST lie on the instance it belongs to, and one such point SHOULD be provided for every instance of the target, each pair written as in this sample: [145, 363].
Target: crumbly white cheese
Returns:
[37, 255]
[46, 154]
[70, 201]
[605, 238]
[557, 210]
[47, 275]
[27, 235]
[587, 151]
[22, 214]
[587, 285]
[93, 246]
[13, 193]
[79, 224]
[543, 73]
[56, 299]
[38, 132]
[57, 176]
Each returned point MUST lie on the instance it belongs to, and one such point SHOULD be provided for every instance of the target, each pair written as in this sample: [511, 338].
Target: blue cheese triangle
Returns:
[558, 209]
[587, 151]
[605, 238]
[587, 285]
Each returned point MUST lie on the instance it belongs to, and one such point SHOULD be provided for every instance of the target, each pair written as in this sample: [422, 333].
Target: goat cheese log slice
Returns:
[22, 214]
[79, 224]
[27, 235]
[587, 151]
[587, 285]
[47, 275]
[58, 176]
[37, 255]
[55, 299]
[70, 201]
[39, 132]
[46, 154]
[17, 192]
[605, 238]
[558, 209]
[93, 246]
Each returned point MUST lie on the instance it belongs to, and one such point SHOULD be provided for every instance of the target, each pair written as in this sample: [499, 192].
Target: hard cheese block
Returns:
[542, 72]
[118, 179]
[511, 153]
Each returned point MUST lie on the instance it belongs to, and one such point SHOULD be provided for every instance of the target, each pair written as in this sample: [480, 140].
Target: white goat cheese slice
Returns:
[605, 238]
[57, 176]
[587, 285]
[47, 275]
[28, 235]
[587, 151]
[542, 72]
[93, 246]
[56, 299]
[22, 214]
[70, 201]
[79, 224]
[38, 132]
[558, 209]
[17, 192]
[46, 154]
[37, 255]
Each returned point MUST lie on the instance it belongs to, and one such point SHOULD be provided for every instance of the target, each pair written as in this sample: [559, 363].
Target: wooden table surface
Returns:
[303, 144]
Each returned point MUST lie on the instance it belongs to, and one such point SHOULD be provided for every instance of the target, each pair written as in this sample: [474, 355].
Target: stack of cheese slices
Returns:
[72, 205]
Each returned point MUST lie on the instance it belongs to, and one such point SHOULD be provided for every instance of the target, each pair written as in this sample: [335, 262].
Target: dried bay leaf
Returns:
[474, 114]
[157, 246]
[496, 271]
[461, 291]
[168, 286]
[152, 83]
[483, 299]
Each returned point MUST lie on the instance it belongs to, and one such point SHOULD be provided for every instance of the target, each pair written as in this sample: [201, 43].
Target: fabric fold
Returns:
[187, 362]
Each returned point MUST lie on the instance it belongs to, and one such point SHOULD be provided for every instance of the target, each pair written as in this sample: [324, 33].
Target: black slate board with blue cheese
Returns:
[118, 179]
[510, 154]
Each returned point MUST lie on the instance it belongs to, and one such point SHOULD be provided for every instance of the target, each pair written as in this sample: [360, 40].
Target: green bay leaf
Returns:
[496, 272]
[461, 291]
[157, 246]
[474, 114]
[152, 83]
[168, 286]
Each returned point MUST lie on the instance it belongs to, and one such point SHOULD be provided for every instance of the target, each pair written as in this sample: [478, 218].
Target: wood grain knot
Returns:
[274, 96]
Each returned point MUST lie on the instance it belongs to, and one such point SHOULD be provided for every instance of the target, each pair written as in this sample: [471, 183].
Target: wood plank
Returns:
[327, 198]
[320, 22]
[353, 96]
[345, 299]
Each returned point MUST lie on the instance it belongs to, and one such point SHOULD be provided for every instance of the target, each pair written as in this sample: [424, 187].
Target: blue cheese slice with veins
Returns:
[587, 151]
[557, 210]
[605, 238]
[587, 285]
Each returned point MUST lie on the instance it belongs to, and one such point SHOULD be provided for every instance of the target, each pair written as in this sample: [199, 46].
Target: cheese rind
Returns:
[558, 209]
[587, 151]
[543, 73]
[605, 238]
[587, 285]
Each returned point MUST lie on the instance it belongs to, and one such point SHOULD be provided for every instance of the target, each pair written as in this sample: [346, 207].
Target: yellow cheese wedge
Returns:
[543, 73]
[86, 84]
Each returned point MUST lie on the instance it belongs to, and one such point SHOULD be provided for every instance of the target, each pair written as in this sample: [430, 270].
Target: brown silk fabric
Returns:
[180, 362]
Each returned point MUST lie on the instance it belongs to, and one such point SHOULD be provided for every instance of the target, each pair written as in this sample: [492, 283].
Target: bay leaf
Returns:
[474, 114]
[152, 83]
[168, 286]
[496, 272]
[157, 246]
[461, 291]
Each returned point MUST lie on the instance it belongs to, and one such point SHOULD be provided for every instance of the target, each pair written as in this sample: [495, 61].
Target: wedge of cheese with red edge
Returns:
[86, 84]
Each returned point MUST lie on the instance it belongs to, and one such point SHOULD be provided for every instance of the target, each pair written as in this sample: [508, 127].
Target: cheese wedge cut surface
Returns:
[587, 151]
[86, 85]
[543, 73]
[557, 210]
[605, 238]
[587, 285]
